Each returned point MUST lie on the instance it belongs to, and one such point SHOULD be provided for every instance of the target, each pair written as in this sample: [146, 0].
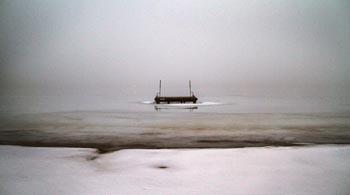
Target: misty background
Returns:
[292, 47]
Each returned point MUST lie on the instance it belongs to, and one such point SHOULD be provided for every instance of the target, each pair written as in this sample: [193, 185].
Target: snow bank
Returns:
[304, 170]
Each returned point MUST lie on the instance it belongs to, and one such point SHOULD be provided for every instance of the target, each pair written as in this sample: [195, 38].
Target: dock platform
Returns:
[175, 99]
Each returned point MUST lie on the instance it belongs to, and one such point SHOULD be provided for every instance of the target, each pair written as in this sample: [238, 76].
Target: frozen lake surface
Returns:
[116, 122]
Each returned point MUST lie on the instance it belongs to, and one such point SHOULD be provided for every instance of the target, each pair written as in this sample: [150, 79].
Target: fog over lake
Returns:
[91, 68]
[293, 48]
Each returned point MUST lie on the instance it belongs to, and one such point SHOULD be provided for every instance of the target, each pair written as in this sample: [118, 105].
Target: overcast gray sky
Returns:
[104, 43]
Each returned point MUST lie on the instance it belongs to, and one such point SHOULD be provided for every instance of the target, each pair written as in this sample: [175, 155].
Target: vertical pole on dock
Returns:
[190, 87]
[160, 87]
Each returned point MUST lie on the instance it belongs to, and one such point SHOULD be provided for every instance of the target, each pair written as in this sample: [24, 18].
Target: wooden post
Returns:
[190, 87]
[160, 87]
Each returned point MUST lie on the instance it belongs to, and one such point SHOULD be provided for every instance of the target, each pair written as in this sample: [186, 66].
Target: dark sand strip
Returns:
[109, 131]
[113, 143]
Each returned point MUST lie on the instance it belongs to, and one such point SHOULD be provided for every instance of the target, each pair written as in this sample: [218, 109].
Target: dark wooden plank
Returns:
[171, 99]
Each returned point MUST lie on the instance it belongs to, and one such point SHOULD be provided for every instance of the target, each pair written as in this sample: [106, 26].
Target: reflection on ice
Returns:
[165, 106]
[189, 106]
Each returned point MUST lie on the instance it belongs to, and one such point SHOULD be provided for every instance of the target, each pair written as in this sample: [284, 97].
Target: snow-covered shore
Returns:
[270, 170]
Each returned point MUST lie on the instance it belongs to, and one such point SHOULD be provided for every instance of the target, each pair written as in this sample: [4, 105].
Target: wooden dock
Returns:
[175, 99]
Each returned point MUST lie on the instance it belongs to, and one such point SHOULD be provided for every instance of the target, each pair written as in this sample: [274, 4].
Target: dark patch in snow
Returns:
[162, 167]
[91, 157]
